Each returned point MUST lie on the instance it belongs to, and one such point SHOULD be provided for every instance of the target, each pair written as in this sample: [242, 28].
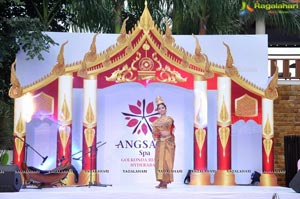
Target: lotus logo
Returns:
[141, 116]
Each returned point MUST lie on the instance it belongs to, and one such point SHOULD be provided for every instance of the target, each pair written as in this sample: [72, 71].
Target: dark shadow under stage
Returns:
[148, 191]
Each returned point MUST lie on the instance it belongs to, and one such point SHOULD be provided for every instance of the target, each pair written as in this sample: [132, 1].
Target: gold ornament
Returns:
[19, 143]
[200, 138]
[224, 136]
[268, 143]
[159, 100]
[64, 134]
[89, 135]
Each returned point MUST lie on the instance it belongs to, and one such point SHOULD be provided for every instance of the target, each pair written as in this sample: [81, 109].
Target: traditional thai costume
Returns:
[164, 150]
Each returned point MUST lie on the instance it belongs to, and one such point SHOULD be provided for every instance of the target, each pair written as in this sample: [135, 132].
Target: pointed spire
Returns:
[271, 91]
[198, 57]
[15, 90]
[123, 36]
[230, 69]
[168, 36]
[146, 21]
[59, 68]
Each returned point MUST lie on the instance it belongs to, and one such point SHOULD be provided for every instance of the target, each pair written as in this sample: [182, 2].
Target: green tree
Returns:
[52, 14]
[185, 16]
[21, 26]
[206, 17]
[93, 15]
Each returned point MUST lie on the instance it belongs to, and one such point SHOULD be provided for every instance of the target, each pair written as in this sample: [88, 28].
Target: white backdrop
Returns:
[250, 57]
[113, 129]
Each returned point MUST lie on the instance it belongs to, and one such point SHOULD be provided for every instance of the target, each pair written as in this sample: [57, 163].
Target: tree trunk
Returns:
[203, 23]
[260, 25]
[118, 20]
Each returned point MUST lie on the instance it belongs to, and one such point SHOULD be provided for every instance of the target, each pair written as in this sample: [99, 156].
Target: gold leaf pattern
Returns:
[65, 116]
[224, 136]
[64, 134]
[90, 117]
[200, 138]
[122, 75]
[268, 143]
[19, 146]
[267, 128]
[20, 128]
[224, 116]
[170, 76]
[89, 135]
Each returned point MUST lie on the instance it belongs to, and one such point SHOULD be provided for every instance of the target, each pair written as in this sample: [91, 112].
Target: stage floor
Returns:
[174, 191]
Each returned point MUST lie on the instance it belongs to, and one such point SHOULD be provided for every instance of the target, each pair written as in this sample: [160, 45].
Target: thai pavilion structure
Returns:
[147, 55]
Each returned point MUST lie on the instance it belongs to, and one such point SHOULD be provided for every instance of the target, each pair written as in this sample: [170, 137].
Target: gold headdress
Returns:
[159, 100]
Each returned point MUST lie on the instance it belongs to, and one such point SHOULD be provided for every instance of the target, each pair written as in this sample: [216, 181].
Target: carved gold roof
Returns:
[130, 45]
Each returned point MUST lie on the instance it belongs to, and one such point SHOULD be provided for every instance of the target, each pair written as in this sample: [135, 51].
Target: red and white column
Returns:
[200, 176]
[89, 152]
[24, 108]
[64, 111]
[268, 178]
[19, 133]
[223, 175]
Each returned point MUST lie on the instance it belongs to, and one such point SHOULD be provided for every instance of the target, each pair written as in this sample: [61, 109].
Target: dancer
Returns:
[163, 134]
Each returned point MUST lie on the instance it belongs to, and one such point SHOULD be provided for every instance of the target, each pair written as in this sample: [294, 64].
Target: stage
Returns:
[148, 191]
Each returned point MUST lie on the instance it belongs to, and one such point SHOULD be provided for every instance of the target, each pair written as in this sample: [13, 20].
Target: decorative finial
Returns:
[159, 100]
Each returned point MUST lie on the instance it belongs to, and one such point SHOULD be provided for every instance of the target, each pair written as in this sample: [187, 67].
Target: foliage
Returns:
[4, 157]
[18, 31]
[93, 15]
[21, 26]
[6, 125]
[52, 14]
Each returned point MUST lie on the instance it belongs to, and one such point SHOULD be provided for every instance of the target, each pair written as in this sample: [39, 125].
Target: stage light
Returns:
[255, 178]
[28, 108]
